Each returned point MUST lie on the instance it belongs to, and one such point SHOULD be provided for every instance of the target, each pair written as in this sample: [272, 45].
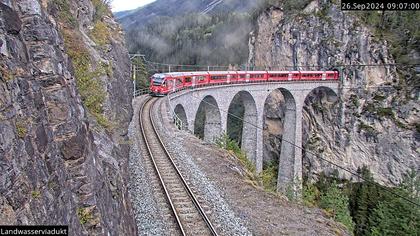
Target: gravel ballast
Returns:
[148, 217]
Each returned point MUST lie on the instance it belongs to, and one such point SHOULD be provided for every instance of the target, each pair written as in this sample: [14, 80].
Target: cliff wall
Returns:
[374, 119]
[65, 106]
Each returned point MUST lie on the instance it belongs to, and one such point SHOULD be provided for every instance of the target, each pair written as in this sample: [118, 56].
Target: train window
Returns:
[188, 79]
[157, 80]
[218, 77]
[178, 81]
[279, 75]
[242, 76]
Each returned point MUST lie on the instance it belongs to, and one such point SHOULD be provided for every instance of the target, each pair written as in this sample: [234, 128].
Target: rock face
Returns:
[371, 121]
[58, 164]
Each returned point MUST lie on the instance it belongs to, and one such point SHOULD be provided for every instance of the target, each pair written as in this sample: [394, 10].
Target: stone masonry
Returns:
[216, 101]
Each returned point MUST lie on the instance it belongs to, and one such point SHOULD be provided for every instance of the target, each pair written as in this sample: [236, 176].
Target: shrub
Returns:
[354, 100]
[84, 214]
[385, 112]
[269, 177]
[21, 129]
[367, 128]
[226, 143]
[35, 194]
[311, 195]
[379, 97]
[100, 33]
[5, 73]
[101, 9]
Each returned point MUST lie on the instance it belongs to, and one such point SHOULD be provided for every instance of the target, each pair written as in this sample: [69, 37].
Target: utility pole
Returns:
[134, 77]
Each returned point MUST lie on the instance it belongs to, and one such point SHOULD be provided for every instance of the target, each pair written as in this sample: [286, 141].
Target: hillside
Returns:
[191, 32]
[171, 8]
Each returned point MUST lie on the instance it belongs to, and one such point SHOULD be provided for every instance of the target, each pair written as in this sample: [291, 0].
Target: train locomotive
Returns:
[164, 83]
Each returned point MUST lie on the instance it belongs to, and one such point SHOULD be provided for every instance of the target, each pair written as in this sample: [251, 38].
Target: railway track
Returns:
[181, 209]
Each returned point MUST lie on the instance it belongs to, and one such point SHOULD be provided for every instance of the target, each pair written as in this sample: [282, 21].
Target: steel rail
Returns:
[156, 168]
[178, 173]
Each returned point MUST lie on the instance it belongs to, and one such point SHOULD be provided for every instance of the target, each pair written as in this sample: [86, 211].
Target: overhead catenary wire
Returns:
[290, 66]
[328, 161]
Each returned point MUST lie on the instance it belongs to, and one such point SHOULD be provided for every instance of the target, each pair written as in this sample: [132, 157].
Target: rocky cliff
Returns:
[373, 121]
[65, 106]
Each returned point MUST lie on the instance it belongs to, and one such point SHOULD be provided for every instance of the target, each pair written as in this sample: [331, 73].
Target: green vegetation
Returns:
[102, 8]
[269, 176]
[192, 39]
[35, 194]
[417, 125]
[86, 72]
[381, 112]
[5, 73]
[395, 215]
[235, 120]
[379, 97]
[141, 74]
[64, 13]
[100, 33]
[311, 195]
[334, 201]
[199, 123]
[367, 128]
[226, 143]
[400, 29]
[385, 112]
[84, 214]
[90, 88]
[365, 207]
[288, 6]
[21, 129]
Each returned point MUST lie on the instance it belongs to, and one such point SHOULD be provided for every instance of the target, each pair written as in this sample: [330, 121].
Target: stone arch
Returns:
[287, 155]
[331, 95]
[212, 125]
[182, 115]
[248, 137]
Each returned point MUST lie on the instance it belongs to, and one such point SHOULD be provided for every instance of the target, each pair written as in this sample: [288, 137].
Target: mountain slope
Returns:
[191, 32]
[172, 8]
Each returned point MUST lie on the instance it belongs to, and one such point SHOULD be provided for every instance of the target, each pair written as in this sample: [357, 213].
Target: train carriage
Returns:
[164, 83]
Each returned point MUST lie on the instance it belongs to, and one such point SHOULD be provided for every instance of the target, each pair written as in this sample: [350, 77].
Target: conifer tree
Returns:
[335, 201]
[395, 215]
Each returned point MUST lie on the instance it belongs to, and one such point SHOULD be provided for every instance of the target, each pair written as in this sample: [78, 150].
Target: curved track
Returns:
[184, 214]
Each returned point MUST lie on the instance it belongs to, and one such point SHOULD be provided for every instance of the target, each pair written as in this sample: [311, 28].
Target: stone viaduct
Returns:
[215, 102]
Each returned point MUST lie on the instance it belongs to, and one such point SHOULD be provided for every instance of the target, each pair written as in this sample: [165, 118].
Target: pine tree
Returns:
[395, 215]
[365, 196]
[334, 200]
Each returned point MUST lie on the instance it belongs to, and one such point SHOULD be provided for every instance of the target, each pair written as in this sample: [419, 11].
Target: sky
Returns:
[122, 5]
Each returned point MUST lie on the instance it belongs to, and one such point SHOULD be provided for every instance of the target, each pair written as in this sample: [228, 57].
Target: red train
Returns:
[162, 84]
